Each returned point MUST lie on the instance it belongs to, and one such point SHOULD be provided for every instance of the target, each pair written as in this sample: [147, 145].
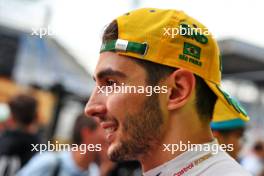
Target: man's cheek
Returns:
[115, 103]
[125, 103]
[116, 107]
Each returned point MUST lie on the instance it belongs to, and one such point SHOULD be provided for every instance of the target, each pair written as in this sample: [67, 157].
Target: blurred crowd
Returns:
[19, 132]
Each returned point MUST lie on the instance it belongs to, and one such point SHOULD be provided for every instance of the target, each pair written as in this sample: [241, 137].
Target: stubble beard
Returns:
[142, 131]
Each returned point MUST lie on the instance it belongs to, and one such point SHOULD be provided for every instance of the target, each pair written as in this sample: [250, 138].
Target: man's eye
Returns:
[110, 82]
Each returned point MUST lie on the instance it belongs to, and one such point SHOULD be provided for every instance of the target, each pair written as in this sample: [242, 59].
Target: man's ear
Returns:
[182, 86]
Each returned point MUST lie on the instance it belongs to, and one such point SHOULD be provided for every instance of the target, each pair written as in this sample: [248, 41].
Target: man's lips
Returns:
[110, 127]
[108, 124]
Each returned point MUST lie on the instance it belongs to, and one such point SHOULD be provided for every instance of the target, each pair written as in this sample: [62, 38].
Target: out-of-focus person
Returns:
[230, 132]
[254, 161]
[19, 134]
[228, 129]
[4, 115]
[78, 161]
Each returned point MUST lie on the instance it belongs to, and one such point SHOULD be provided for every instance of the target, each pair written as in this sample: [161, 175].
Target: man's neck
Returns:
[175, 135]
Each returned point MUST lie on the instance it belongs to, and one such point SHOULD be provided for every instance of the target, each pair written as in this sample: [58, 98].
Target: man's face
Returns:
[133, 122]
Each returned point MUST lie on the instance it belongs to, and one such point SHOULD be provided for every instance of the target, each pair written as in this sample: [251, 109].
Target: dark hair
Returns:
[258, 146]
[82, 122]
[205, 98]
[23, 108]
[226, 132]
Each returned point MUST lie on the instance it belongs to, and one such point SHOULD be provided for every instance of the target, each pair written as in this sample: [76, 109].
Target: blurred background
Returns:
[49, 48]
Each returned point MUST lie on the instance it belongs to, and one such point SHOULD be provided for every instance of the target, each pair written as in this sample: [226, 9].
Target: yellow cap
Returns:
[172, 38]
[222, 112]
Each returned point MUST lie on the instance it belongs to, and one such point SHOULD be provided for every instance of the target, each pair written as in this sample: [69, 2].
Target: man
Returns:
[4, 115]
[229, 133]
[254, 161]
[19, 134]
[140, 50]
[77, 162]
[228, 130]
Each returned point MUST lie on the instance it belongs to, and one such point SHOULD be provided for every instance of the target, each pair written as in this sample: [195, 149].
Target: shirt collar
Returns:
[181, 160]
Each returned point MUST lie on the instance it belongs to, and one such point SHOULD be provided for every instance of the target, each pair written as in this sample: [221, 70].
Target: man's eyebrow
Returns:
[110, 72]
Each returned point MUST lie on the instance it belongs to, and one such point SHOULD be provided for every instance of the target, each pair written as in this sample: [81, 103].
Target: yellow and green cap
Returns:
[173, 38]
[224, 119]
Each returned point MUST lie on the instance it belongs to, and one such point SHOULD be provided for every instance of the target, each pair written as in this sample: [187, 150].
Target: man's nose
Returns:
[95, 110]
[95, 107]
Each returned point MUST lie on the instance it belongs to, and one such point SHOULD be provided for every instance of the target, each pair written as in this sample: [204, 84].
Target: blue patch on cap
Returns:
[228, 125]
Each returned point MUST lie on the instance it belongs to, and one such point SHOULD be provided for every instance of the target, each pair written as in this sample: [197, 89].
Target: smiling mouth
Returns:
[110, 128]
